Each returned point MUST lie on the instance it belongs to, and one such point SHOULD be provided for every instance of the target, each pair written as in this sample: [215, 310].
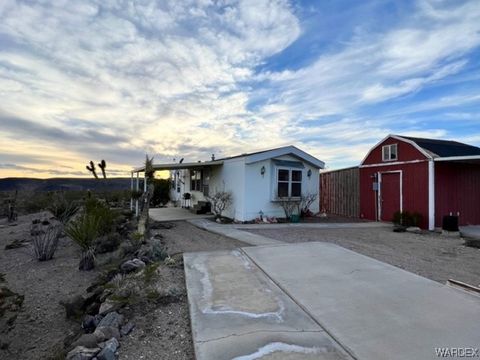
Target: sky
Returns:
[114, 80]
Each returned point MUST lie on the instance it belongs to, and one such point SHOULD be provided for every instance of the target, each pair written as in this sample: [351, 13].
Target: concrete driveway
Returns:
[321, 301]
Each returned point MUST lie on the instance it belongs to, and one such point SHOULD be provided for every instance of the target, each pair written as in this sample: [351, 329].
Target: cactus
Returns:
[91, 168]
[102, 165]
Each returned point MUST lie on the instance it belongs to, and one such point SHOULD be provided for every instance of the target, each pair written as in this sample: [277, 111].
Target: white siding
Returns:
[260, 190]
[231, 178]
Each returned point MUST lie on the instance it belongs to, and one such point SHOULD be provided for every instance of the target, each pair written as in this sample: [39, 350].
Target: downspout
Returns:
[431, 195]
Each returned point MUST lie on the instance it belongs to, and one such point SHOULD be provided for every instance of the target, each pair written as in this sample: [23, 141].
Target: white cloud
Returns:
[176, 77]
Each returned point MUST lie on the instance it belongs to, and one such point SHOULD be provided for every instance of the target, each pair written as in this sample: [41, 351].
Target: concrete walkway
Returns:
[321, 301]
[231, 232]
[174, 214]
[236, 231]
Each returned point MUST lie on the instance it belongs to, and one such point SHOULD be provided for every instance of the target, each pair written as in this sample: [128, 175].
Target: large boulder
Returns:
[132, 265]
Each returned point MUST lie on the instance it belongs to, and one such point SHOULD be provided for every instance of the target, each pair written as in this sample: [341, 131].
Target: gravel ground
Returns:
[40, 326]
[163, 331]
[185, 237]
[430, 255]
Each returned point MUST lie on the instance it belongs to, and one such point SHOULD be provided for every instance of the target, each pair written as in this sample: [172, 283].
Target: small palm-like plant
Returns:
[84, 232]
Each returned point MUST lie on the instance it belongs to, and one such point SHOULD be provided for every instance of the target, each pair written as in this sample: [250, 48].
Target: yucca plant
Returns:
[84, 232]
[62, 209]
[45, 242]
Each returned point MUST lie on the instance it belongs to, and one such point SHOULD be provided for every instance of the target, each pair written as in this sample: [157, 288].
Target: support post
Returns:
[131, 189]
[138, 188]
[431, 195]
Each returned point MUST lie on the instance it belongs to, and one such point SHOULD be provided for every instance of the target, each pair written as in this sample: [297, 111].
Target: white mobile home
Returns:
[257, 181]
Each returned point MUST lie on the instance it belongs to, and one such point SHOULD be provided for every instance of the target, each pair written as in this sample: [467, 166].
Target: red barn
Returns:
[432, 177]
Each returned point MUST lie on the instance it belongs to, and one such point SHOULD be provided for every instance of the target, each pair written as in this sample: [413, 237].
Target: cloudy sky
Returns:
[90, 80]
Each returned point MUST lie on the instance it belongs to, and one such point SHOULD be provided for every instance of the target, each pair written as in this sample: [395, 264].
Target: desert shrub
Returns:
[406, 218]
[108, 243]
[305, 202]
[84, 231]
[34, 202]
[45, 242]
[106, 217]
[220, 202]
[136, 239]
[289, 205]
[150, 272]
[62, 209]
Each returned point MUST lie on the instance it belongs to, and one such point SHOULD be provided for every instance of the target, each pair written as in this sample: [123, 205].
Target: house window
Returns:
[196, 180]
[389, 152]
[289, 183]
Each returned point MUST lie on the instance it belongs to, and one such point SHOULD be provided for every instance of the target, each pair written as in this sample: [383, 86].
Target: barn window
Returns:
[389, 152]
[289, 183]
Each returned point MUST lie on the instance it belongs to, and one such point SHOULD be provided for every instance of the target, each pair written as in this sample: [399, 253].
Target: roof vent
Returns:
[213, 157]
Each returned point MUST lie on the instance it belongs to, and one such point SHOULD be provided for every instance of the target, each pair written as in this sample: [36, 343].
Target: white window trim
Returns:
[389, 147]
[290, 181]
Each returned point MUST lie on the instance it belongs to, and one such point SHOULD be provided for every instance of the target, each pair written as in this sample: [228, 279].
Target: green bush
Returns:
[406, 218]
[106, 217]
[62, 209]
[84, 231]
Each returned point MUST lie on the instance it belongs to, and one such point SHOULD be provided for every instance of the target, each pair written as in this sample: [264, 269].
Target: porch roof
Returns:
[174, 166]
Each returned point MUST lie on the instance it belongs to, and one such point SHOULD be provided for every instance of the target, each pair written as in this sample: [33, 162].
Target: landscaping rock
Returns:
[108, 306]
[106, 332]
[111, 319]
[86, 340]
[108, 351]
[127, 328]
[93, 308]
[90, 322]
[132, 265]
[413, 229]
[82, 353]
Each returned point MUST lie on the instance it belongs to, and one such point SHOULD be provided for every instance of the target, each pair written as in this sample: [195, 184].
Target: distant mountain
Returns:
[54, 184]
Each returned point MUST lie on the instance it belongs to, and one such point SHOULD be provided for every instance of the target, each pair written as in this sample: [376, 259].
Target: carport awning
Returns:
[473, 159]
[196, 165]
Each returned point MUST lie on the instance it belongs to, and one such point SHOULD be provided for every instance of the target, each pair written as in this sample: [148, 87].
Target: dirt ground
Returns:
[40, 326]
[430, 255]
[163, 332]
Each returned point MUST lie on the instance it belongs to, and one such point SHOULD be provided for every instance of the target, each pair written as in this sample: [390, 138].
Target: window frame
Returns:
[290, 181]
[389, 147]
[196, 180]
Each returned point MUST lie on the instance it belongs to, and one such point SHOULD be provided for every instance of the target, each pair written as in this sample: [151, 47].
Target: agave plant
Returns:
[84, 232]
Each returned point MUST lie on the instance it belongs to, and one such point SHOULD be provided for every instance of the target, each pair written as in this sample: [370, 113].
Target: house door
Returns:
[390, 195]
